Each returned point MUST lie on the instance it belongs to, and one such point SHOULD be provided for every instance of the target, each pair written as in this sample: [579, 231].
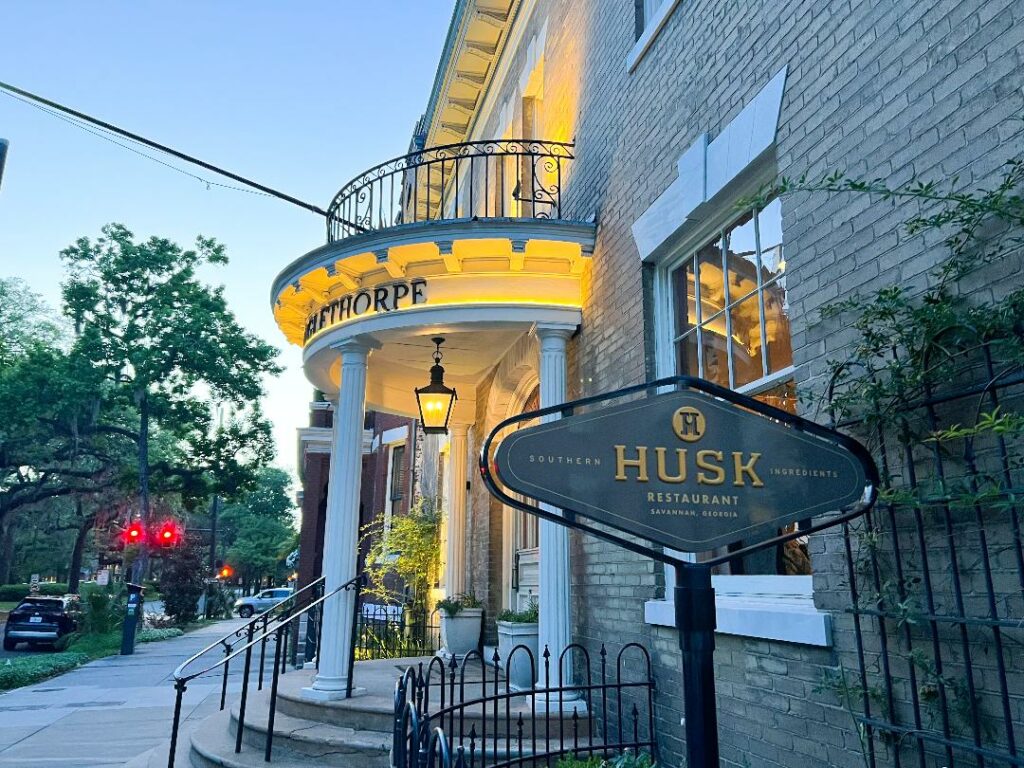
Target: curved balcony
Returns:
[506, 178]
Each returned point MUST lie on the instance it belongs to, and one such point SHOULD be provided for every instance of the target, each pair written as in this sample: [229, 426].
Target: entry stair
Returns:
[354, 732]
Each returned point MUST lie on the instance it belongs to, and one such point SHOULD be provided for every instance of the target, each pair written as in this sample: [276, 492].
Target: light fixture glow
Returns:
[435, 400]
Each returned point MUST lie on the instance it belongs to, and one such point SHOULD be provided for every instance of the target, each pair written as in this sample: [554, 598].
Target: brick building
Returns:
[579, 231]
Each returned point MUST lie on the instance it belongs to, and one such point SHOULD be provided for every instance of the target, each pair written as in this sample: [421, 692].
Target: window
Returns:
[722, 314]
[730, 325]
[651, 16]
[395, 483]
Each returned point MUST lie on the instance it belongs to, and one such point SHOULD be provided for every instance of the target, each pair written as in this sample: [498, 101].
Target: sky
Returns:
[299, 96]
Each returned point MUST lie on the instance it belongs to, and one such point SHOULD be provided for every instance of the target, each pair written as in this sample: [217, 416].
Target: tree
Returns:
[259, 526]
[182, 582]
[160, 336]
[53, 402]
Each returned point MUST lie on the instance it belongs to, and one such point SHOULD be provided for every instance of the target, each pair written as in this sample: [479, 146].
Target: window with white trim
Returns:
[728, 322]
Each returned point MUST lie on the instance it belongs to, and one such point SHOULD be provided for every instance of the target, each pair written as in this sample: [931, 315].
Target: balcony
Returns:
[507, 178]
[468, 240]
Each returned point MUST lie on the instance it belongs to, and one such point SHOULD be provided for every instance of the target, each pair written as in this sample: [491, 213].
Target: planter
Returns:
[460, 633]
[519, 671]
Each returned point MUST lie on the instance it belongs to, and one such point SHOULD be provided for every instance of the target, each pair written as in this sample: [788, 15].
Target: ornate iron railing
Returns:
[386, 631]
[936, 570]
[444, 720]
[517, 178]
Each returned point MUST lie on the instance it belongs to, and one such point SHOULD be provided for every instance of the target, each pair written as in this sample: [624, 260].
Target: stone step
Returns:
[375, 712]
[213, 746]
[299, 737]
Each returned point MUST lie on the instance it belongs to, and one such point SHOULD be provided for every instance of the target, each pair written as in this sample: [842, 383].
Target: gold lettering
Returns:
[663, 474]
[745, 469]
[640, 463]
[717, 476]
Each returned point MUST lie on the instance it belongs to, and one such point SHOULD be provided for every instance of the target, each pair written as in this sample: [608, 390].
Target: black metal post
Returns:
[179, 692]
[695, 620]
[245, 691]
[352, 639]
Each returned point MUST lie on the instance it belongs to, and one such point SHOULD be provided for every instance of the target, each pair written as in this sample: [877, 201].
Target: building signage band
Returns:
[683, 469]
[368, 301]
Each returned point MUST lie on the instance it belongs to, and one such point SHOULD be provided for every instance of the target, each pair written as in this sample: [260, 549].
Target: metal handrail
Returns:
[224, 641]
[495, 178]
[280, 637]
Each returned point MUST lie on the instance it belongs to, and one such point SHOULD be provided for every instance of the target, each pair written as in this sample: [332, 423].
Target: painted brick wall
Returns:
[879, 89]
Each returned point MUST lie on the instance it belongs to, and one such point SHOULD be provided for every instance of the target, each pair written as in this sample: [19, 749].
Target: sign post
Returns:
[688, 466]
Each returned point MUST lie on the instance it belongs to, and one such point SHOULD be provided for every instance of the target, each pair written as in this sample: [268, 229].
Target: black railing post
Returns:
[179, 692]
[356, 613]
[281, 635]
[245, 690]
[695, 620]
[224, 678]
[263, 654]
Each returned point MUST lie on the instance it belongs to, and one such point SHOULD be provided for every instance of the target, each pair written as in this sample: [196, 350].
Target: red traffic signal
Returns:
[226, 572]
[169, 534]
[134, 533]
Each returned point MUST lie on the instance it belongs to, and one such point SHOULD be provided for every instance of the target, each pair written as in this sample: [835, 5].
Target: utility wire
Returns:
[109, 127]
[105, 135]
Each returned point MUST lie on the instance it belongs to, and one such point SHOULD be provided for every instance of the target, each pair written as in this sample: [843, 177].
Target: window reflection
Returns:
[747, 362]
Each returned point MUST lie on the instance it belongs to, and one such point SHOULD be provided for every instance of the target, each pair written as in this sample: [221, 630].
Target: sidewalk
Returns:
[108, 712]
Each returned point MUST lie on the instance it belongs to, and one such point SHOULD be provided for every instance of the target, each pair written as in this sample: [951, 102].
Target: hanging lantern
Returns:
[435, 400]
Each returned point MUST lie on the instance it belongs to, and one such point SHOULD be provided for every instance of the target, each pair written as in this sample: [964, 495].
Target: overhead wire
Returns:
[107, 135]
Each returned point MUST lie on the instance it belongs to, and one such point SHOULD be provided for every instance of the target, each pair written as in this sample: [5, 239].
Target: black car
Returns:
[38, 620]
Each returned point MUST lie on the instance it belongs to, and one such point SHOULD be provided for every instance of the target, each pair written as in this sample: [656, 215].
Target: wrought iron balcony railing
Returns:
[516, 178]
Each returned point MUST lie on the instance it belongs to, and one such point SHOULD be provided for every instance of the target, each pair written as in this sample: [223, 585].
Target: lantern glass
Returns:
[435, 403]
[435, 400]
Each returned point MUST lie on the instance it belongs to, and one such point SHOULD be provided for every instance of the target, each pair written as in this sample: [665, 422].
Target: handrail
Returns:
[494, 178]
[238, 632]
[252, 638]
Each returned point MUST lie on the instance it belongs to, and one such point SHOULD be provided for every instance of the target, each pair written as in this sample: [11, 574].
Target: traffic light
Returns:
[134, 533]
[169, 534]
[225, 572]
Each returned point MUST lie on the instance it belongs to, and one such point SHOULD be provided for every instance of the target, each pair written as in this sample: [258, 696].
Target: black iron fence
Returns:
[476, 179]
[388, 631]
[936, 571]
[468, 715]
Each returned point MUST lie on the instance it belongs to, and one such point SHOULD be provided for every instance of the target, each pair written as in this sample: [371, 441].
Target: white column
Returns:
[555, 630]
[457, 458]
[341, 529]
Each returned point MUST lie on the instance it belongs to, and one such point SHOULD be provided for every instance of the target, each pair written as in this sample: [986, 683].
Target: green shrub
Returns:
[13, 593]
[628, 759]
[102, 610]
[29, 670]
[219, 602]
[151, 635]
[530, 616]
[182, 582]
[452, 606]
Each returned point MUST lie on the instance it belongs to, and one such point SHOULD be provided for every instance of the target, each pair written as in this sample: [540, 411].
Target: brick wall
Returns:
[892, 90]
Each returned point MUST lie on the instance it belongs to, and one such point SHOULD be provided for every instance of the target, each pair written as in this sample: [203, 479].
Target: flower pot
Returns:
[460, 633]
[518, 669]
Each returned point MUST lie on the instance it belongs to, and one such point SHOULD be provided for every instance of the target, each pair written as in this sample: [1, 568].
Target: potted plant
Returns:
[519, 628]
[461, 621]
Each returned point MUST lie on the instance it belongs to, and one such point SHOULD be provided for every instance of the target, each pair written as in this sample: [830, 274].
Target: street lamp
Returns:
[4, 144]
[435, 400]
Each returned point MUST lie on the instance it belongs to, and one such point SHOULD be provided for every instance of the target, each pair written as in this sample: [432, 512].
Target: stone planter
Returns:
[460, 633]
[519, 672]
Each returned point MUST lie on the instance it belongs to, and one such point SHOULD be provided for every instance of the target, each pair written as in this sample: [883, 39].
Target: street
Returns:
[110, 711]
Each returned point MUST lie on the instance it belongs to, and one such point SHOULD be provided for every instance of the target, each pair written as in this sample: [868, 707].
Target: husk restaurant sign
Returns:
[684, 469]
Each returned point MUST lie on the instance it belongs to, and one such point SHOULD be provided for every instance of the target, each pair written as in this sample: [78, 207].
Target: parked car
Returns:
[261, 601]
[39, 620]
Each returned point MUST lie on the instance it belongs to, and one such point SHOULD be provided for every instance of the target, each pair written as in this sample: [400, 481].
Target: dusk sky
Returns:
[298, 96]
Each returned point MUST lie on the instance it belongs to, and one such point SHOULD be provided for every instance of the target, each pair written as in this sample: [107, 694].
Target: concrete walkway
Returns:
[110, 711]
